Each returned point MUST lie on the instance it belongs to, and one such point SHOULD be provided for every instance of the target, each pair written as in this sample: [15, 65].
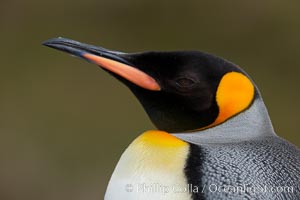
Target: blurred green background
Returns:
[64, 122]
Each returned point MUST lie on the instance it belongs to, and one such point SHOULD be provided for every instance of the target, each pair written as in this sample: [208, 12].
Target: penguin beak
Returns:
[111, 61]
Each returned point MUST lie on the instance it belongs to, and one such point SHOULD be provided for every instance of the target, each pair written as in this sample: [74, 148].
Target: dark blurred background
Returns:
[64, 122]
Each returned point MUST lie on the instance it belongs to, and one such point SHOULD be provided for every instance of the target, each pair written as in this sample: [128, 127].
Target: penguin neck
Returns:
[251, 124]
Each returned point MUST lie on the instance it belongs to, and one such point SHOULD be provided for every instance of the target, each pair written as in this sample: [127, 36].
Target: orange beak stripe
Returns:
[131, 74]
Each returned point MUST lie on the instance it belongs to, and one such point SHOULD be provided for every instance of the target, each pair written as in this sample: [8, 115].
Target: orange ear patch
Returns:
[234, 94]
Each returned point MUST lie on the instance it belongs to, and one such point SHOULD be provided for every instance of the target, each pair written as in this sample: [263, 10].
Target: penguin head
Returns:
[181, 91]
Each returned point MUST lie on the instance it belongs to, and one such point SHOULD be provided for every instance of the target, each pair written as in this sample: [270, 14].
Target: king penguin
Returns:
[214, 140]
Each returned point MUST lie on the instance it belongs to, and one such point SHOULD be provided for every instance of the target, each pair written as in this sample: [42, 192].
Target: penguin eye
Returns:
[185, 82]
